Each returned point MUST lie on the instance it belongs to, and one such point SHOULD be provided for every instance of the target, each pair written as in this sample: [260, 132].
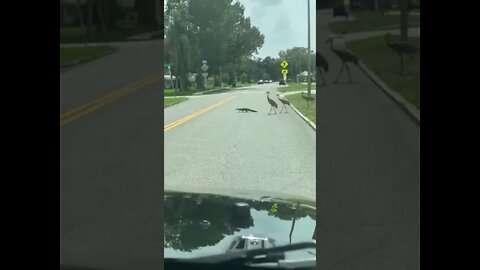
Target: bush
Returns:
[244, 78]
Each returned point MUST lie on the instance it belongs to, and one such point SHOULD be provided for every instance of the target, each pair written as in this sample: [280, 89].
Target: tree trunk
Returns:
[82, 24]
[404, 20]
[146, 13]
[101, 16]
[90, 18]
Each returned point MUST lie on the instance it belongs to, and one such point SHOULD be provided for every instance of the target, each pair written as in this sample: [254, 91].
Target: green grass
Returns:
[385, 63]
[301, 105]
[76, 34]
[293, 87]
[172, 101]
[68, 55]
[370, 21]
[171, 92]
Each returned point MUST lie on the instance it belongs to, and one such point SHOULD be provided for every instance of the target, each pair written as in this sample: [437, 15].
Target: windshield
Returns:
[229, 123]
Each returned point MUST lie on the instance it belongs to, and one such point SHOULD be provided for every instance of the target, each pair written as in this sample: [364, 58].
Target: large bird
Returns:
[401, 48]
[345, 56]
[273, 104]
[284, 101]
[322, 66]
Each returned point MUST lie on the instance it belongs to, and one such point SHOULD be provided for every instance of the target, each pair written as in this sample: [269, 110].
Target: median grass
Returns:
[172, 92]
[293, 87]
[301, 105]
[385, 63]
[371, 21]
[172, 101]
[69, 55]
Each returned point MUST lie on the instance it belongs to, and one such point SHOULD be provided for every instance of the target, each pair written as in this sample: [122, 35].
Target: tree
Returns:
[243, 39]
[244, 77]
[89, 31]
[147, 13]
[82, 24]
[404, 20]
[101, 17]
[180, 39]
[211, 44]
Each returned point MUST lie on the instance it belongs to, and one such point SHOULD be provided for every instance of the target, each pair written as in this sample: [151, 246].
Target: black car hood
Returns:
[201, 224]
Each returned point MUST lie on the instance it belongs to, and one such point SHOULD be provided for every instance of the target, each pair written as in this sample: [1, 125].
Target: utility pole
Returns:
[308, 55]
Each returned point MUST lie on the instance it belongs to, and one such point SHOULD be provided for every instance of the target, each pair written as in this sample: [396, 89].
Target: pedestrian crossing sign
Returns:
[284, 71]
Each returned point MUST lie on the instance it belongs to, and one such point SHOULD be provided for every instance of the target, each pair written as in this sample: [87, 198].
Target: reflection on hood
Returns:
[196, 221]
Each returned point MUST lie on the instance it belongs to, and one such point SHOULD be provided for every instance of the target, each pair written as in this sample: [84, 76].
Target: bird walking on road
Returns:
[284, 101]
[308, 98]
[346, 57]
[322, 66]
[273, 104]
[401, 48]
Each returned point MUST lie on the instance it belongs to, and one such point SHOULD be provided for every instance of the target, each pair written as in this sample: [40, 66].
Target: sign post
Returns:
[169, 66]
[284, 65]
[205, 73]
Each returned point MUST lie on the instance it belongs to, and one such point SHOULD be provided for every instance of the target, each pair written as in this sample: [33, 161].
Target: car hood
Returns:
[200, 223]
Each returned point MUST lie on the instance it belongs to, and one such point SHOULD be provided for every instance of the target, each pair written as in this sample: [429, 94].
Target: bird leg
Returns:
[341, 70]
[349, 74]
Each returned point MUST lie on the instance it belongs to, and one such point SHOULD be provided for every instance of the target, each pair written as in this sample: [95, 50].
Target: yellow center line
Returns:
[83, 110]
[195, 114]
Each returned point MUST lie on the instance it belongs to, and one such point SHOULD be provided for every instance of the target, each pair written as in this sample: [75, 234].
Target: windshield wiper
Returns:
[247, 259]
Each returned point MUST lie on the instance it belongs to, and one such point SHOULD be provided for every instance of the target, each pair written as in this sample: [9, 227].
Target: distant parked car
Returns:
[260, 82]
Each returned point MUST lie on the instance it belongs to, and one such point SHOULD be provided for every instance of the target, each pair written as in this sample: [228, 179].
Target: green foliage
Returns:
[244, 78]
[222, 38]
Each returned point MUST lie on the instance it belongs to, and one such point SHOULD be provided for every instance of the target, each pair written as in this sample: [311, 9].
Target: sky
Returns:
[284, 24]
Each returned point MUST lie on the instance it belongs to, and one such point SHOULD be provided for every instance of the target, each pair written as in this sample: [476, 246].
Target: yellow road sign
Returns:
[284, 64]
[284, 71]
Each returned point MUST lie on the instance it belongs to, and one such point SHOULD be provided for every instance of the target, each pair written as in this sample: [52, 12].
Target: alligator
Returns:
[245, 110]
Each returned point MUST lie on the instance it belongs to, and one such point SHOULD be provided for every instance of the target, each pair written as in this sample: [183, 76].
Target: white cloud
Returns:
[283, 23]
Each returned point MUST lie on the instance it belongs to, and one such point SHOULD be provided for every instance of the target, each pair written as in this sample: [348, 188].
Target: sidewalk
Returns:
[412, 32]
[296, 92]
[145, 36]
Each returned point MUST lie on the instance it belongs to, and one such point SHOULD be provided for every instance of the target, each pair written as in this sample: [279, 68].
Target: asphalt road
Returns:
[225, 149]
[110, 165]
[368, 173]
[134, 61]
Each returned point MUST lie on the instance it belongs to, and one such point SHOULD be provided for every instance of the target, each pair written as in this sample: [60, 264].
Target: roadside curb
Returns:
[208, 91]
[77, 62]
[310, 123]
[409, 108]
[84, 60]
[216, 90]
